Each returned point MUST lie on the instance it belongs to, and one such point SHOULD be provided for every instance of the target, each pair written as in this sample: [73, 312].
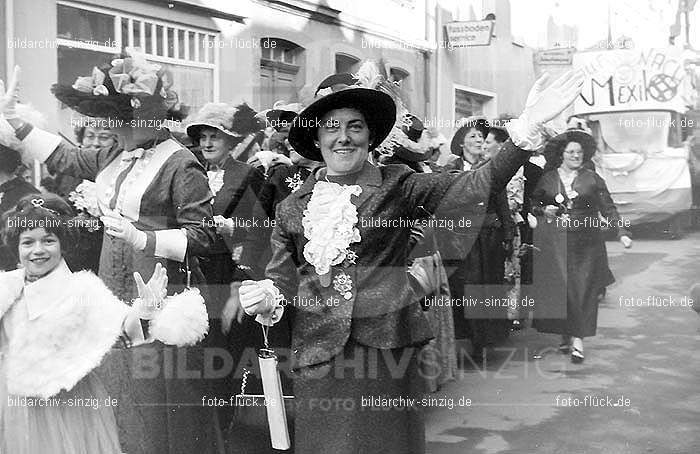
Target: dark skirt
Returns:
[570, 270]
[481, 278]
[158, 388]
[333, 403]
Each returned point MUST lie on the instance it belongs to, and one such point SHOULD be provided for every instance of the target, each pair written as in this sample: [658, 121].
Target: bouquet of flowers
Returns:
[84, 198]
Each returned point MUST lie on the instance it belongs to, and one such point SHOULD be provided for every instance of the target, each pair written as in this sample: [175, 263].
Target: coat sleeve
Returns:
[62, 157]
[191, 202]
[281, 268]
[504, 215]
[607, 207]
[435, 192]
[256, 239]
[539, 195]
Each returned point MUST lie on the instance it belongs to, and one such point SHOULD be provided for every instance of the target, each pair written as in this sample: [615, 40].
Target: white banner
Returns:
[631, 79]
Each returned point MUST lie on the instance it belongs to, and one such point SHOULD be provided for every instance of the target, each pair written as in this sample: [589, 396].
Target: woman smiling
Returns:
[364, 338]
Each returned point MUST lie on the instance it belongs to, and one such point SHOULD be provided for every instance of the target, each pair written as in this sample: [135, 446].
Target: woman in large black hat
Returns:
[573, 205]
[467, 144]
[339, 260]
[155, 201]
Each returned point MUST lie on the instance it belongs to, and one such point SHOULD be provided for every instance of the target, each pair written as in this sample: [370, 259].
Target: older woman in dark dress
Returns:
[340, 257]
[573, 205]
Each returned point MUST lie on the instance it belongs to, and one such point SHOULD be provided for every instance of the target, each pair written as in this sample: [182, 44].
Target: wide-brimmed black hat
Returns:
[336, 82]
[478, 123]
[128, 88]
[556, 145]
[281, 114]
[377, 107]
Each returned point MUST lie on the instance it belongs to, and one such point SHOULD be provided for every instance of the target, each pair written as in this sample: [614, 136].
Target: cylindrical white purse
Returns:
[274, 399]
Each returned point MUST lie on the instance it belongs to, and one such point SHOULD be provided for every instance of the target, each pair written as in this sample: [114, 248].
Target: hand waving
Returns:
[151, 295]
[543, 104]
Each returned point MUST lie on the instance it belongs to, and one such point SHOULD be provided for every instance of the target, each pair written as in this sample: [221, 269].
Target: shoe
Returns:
[576, 356]
[516, 325]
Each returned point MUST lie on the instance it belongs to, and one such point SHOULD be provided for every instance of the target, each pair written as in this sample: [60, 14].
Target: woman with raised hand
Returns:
[155, 204]
[357, 325]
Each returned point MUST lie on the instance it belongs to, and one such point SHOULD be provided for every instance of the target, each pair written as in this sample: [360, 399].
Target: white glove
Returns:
[151, 295]
[232, 309]
[626, 241]
[120, 227]
[263, 299]
[543, 104]
[9, 98]
[224, 226]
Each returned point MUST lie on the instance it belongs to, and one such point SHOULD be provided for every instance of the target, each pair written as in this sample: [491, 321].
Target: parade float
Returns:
[638, 104]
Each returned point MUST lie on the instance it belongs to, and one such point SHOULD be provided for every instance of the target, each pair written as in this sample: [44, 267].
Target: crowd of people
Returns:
[259, 218]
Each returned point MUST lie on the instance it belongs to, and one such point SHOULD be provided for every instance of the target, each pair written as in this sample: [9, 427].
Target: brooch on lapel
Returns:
[294, 182]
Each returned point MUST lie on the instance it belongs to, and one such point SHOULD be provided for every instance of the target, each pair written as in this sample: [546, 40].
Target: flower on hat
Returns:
[134, 75]
[92, 84]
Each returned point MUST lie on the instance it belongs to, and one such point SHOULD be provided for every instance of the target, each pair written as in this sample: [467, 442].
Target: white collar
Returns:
[43, 293]
[538, 160]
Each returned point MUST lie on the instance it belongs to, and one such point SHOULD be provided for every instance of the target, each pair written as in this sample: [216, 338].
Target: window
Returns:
[90, 36]
[86, 26]
[281, 72]
[468, 104]
[345, 63]
[397, 75]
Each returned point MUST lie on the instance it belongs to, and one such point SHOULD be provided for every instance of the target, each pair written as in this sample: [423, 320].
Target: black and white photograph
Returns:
[349, 227]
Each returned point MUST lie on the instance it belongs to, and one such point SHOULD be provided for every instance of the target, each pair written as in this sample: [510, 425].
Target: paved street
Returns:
[644, 358]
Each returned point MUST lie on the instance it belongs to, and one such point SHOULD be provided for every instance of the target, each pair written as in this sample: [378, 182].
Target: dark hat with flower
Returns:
[127, 88]
[336, 82]
[376, 106]
[236, 121]
[555, 146]
[281, 115]
[414, 145]
[478, 123]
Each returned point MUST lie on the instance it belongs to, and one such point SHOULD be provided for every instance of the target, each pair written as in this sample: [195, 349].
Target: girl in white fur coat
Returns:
[55, 328]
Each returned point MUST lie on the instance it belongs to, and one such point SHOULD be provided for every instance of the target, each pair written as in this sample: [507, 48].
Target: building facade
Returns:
[262, 51]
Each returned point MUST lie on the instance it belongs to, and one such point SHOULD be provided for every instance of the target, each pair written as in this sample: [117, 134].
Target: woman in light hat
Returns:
[340, 258]
[155, 204]
[572, 266]
[243, 234]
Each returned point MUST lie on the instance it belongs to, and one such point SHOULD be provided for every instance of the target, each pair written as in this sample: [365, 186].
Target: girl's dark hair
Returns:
[36, 211]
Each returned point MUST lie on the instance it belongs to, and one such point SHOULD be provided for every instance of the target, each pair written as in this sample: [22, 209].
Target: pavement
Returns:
[637, 392]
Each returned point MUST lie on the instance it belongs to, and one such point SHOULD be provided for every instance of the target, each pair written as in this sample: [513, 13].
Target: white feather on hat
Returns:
[369, 76]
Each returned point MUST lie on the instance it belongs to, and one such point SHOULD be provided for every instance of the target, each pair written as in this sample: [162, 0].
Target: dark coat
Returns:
[239, 198]
[571, 264]
[281, 181]
[383, 311]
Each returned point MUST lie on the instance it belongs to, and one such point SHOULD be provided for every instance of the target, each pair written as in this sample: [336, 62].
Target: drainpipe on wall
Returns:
[9, 31]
